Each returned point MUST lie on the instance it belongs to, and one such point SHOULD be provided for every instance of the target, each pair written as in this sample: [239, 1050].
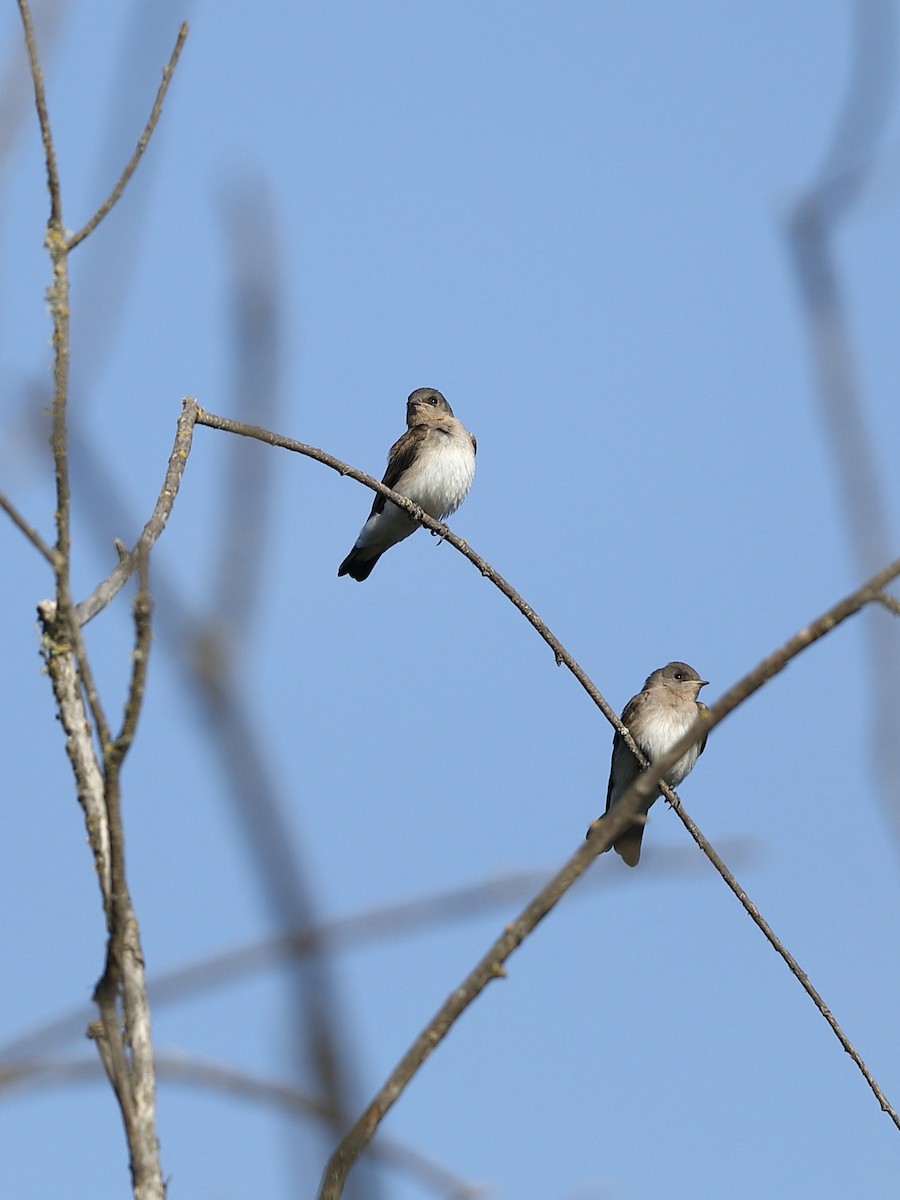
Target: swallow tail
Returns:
[358, 564]
[628, 846]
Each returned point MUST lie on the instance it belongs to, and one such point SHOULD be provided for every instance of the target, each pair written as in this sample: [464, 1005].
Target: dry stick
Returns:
[30, 532]
[40, 102]
[604, 832]
[436, 527]
[132, 1077]
[105, 591]
[58, 296]
[14, 105]
[59, 630]
[132, 1074]
[66, 686]
[891, 603]
[143, 141]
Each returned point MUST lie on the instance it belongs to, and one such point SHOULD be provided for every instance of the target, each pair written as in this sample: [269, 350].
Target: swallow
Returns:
[657, 717]
[432, 464]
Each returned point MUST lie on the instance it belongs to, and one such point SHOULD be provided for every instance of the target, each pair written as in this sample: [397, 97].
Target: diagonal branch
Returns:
[112, 199]
[30, 532]
[603, 833]
[109, 588]
[891, 603]
[437, 527]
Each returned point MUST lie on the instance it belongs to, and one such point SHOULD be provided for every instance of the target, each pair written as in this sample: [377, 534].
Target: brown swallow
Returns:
[657, 717]
[433, 465]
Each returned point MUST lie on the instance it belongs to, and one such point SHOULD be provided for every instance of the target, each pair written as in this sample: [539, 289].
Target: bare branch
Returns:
[124, 1045]
[30, 532]
[57, 654]
[58, 296]
[40, 101]
[76, 238]
[140, 660]
[891, 603]
[105, 591]
[14, 73]
[125, 1042]
[603, 833]
[443, 531]
[780, 949]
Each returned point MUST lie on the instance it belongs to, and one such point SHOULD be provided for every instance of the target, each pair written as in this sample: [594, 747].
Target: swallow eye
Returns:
[432, 399]
[679, 675]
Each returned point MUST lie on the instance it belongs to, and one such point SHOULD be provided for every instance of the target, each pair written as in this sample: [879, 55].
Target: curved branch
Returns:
[226, 425]
[143, 141]
[603, 832]
[602, 835]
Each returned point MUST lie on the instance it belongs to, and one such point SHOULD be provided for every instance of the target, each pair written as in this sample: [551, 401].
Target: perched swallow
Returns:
[657, 717]
[433, 465]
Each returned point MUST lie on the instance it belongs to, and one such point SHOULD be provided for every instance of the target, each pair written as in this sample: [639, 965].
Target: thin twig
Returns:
[40, 103]
[131, 166]
[30, 532]
[15, 105]
[140, 660]
[780, 949]
[604, 832]
[58, 296]
[118, 577]
[891, 603]
[437, 527]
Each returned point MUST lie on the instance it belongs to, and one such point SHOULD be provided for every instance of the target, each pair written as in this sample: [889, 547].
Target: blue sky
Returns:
[571, 219]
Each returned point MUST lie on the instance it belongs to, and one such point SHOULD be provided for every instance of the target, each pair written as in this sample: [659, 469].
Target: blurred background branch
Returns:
[821, 213]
